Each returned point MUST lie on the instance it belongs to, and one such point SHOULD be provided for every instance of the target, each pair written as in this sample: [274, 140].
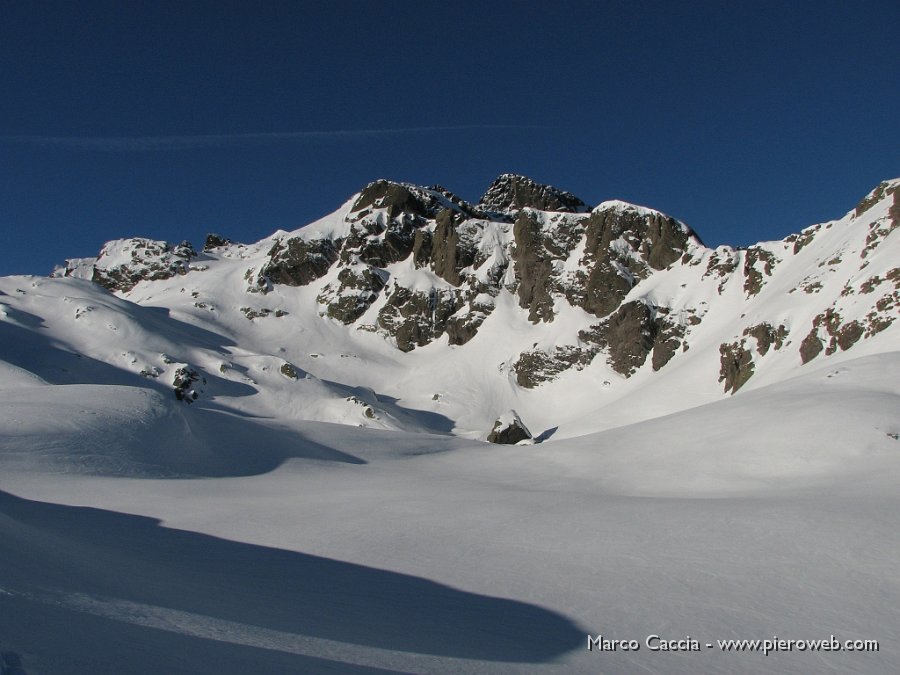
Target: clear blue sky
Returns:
[748, 120]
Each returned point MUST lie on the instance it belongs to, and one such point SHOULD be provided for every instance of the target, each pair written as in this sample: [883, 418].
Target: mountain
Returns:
[270, 457]
[410, 308]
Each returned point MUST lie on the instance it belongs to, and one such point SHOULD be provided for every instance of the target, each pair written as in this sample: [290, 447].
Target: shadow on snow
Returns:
[86, 552]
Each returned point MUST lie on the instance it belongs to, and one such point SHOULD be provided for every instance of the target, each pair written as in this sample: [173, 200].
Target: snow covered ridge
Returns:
[124, 262]
[452, 303]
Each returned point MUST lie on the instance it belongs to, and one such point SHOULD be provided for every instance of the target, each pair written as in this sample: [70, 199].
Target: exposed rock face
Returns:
[415, 318]
[398, 198]
[450, 249]
[629, 286]
[767, 336]
[880, 229]
[534, 267]
[509, 430]
[559, 253]
[884, 189]
[296, 262]
[535, 367]
[356, 289]
[510, 192]
[624, 244]
[736, 358]
[839, 334]
[755, 258]
[214, 241]
[632, 332]
[125, 262]
[463, 325]
[736, 365]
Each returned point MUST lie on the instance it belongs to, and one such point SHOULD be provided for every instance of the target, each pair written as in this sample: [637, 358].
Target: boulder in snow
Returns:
[509, 429]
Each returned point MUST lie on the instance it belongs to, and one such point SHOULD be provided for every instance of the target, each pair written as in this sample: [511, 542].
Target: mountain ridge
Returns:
[524, 302]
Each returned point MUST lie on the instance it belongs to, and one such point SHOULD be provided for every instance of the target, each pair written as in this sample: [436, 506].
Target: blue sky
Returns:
[747, 120]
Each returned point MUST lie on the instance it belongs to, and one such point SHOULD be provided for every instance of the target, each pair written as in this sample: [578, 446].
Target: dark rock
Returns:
[251, 313]
[628, 336]
[881, 228]
[448, 253]
[653, 242]
[668, 339]
[884, 189]
[422, 248]
[753, 282]
[415, 318]
[533, 267]
[463, 326]
[296, 262]
[214, 241]
[289, 371]
[634, 331]
[849, 335]
[509, 430]
[357, 288]
[658, 239]
[811, 346]
[183, 384]
[736, 365]
[510, 192]
[535, 367]
[397, 199]
[804, 238]
[766, 336]
[148, 260]
[394, 197]
[842, 336]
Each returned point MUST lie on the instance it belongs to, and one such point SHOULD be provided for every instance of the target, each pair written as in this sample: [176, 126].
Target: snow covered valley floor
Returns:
[340, 549]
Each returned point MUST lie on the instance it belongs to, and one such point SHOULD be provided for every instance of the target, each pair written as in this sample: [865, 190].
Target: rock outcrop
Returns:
[125, 262]
[509, 430]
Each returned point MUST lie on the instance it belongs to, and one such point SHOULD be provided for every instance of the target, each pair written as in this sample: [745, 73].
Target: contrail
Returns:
[129, 143]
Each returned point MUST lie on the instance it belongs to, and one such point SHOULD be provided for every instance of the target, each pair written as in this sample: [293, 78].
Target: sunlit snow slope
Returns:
[217, 463]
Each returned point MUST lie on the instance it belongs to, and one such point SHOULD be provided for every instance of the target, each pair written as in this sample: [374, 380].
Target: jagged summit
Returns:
[397, 197]
[511, 192]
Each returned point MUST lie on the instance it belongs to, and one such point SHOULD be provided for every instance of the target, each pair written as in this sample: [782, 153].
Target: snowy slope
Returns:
[714, 321]
[202, 474]
[438, 556]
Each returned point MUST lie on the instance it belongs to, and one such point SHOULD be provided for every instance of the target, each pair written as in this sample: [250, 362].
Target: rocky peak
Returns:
[511, 192]
[398, 198]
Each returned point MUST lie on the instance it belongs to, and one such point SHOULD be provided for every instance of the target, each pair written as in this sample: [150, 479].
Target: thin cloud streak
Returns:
[137, 143]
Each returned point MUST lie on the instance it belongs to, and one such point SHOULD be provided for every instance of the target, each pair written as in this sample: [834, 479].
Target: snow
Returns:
[431, 554]
[334, 226]
[351, 520]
